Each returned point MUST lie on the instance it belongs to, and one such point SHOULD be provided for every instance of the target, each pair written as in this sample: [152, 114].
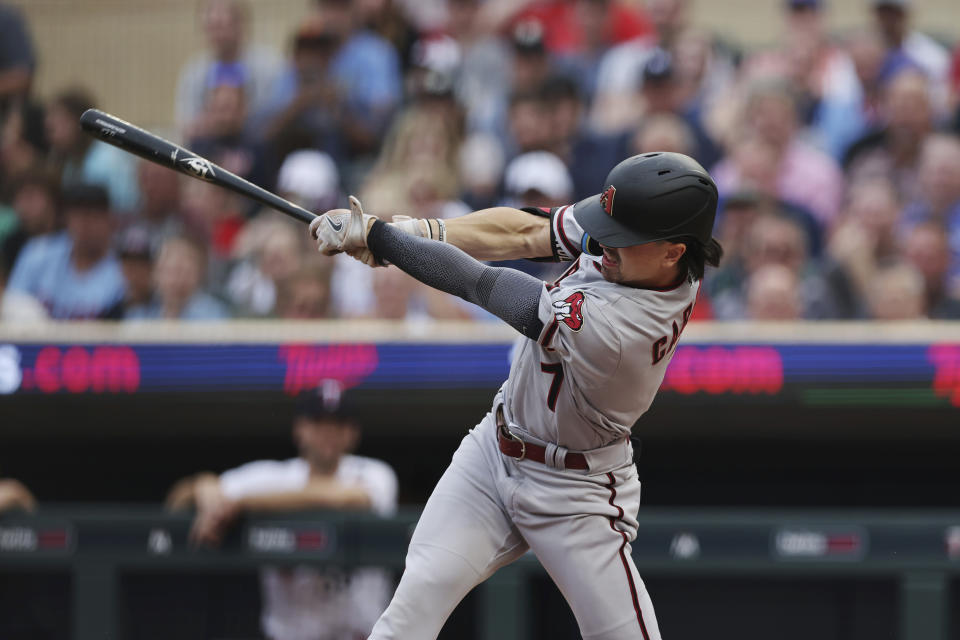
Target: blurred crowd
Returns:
[837, 156]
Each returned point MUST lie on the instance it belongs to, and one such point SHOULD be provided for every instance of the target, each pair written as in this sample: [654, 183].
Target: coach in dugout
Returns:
[13, 495]
[304, 603]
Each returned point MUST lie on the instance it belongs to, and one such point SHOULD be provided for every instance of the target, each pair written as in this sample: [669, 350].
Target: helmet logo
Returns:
[606, 199]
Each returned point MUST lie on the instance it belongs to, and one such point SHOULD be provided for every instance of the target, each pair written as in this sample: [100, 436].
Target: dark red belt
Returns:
[511, 445]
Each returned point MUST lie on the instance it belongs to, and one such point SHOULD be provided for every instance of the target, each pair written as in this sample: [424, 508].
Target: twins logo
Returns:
[569, 310]
[606, 199]
[199, 166]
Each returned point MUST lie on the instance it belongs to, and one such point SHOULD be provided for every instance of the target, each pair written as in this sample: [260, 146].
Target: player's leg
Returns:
[463, 536]
[581, 529]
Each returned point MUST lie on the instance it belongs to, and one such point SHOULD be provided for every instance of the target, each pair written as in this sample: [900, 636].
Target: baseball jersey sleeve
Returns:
[566, 236]
[576, 329]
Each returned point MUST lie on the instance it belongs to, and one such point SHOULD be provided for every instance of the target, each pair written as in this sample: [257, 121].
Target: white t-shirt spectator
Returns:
[305, 603]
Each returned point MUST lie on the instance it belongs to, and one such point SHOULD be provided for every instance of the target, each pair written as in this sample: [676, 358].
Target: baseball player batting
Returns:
[550, 467]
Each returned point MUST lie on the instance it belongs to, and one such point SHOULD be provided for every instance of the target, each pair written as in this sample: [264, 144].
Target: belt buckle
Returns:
[513, 436]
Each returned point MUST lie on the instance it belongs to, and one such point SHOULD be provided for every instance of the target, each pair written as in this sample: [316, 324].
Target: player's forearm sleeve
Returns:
[507, 293]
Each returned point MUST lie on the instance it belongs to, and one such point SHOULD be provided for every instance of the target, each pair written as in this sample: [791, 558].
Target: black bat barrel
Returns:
[140, 142]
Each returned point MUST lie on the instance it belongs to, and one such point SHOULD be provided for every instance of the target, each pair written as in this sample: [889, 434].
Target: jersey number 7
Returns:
[556, 369]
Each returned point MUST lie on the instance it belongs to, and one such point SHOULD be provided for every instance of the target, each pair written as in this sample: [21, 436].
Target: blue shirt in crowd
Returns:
[200, 306]
[45, 271]
[366, 68]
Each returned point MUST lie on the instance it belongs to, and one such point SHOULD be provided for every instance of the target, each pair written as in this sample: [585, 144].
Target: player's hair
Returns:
[694, 260]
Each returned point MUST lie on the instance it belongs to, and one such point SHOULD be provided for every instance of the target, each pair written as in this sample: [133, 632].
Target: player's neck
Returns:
[664, 279]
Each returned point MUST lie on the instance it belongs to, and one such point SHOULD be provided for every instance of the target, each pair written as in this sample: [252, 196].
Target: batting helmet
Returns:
[650, 197]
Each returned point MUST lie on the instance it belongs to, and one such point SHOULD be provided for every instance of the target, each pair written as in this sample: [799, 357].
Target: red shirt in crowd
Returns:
[563, 34]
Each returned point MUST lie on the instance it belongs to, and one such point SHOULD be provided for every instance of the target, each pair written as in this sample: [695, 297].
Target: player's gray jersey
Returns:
[601, 356]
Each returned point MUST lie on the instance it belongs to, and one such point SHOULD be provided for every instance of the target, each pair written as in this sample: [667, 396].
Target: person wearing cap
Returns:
[550, 467]
[135, 250]
[74, 274]
[81, 158]
[892, 18]
[229, 59]
[304, 603]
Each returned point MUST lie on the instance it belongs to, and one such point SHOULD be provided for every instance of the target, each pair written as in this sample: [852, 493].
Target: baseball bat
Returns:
[140, 142]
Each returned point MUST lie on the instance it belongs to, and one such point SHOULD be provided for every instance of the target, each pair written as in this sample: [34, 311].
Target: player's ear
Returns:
[674, 251]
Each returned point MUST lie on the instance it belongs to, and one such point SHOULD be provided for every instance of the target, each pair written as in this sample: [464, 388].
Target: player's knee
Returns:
[439, 570]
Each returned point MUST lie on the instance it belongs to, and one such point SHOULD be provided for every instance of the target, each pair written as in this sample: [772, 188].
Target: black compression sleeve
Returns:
[507, 293]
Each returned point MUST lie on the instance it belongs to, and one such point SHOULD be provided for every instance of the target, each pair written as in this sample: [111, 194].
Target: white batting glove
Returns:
[341, 230]
[413, 226]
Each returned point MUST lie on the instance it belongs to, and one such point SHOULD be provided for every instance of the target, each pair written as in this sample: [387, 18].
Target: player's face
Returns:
[323, 442]
[653, 264]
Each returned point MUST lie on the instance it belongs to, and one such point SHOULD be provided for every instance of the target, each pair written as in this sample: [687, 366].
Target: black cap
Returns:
[326, 402]
[528, 37]
[659, 66]
[85, 196]
[134, 242]
[651, 197]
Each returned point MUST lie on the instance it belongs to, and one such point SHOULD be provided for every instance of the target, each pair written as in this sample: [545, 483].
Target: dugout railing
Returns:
[98, 544]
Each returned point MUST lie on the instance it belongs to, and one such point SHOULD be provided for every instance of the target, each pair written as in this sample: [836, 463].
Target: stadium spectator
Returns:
[18, 61]
[418, 149]
[770, 143]
[663, 132]
[304, 602]
[483, 77]
[13, 495]
[705, 67]
[74, 273]
[23, 141]
[773, 294]
[538, 179]
[806, 59]
[849, 111]
[909, 46]
[661, 93]
[773, 239]
[159, 210]
[310, 179]
[529, 123]
[365, 68]
[136, 248]
[228, 60]
[35, 201]
[867, 235]
[389, 20]
[177, 279]
[955, 87]
[939, 193]
[927, 249]
[571, 28]
[897, 293]
[585, 153]
[892, 150]
[309, 107]
[399, 297]
[481, 165]
[17, 307]
[252, 285]
[81, 159]
[214, 214]
[224, 140]
[305, 295]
